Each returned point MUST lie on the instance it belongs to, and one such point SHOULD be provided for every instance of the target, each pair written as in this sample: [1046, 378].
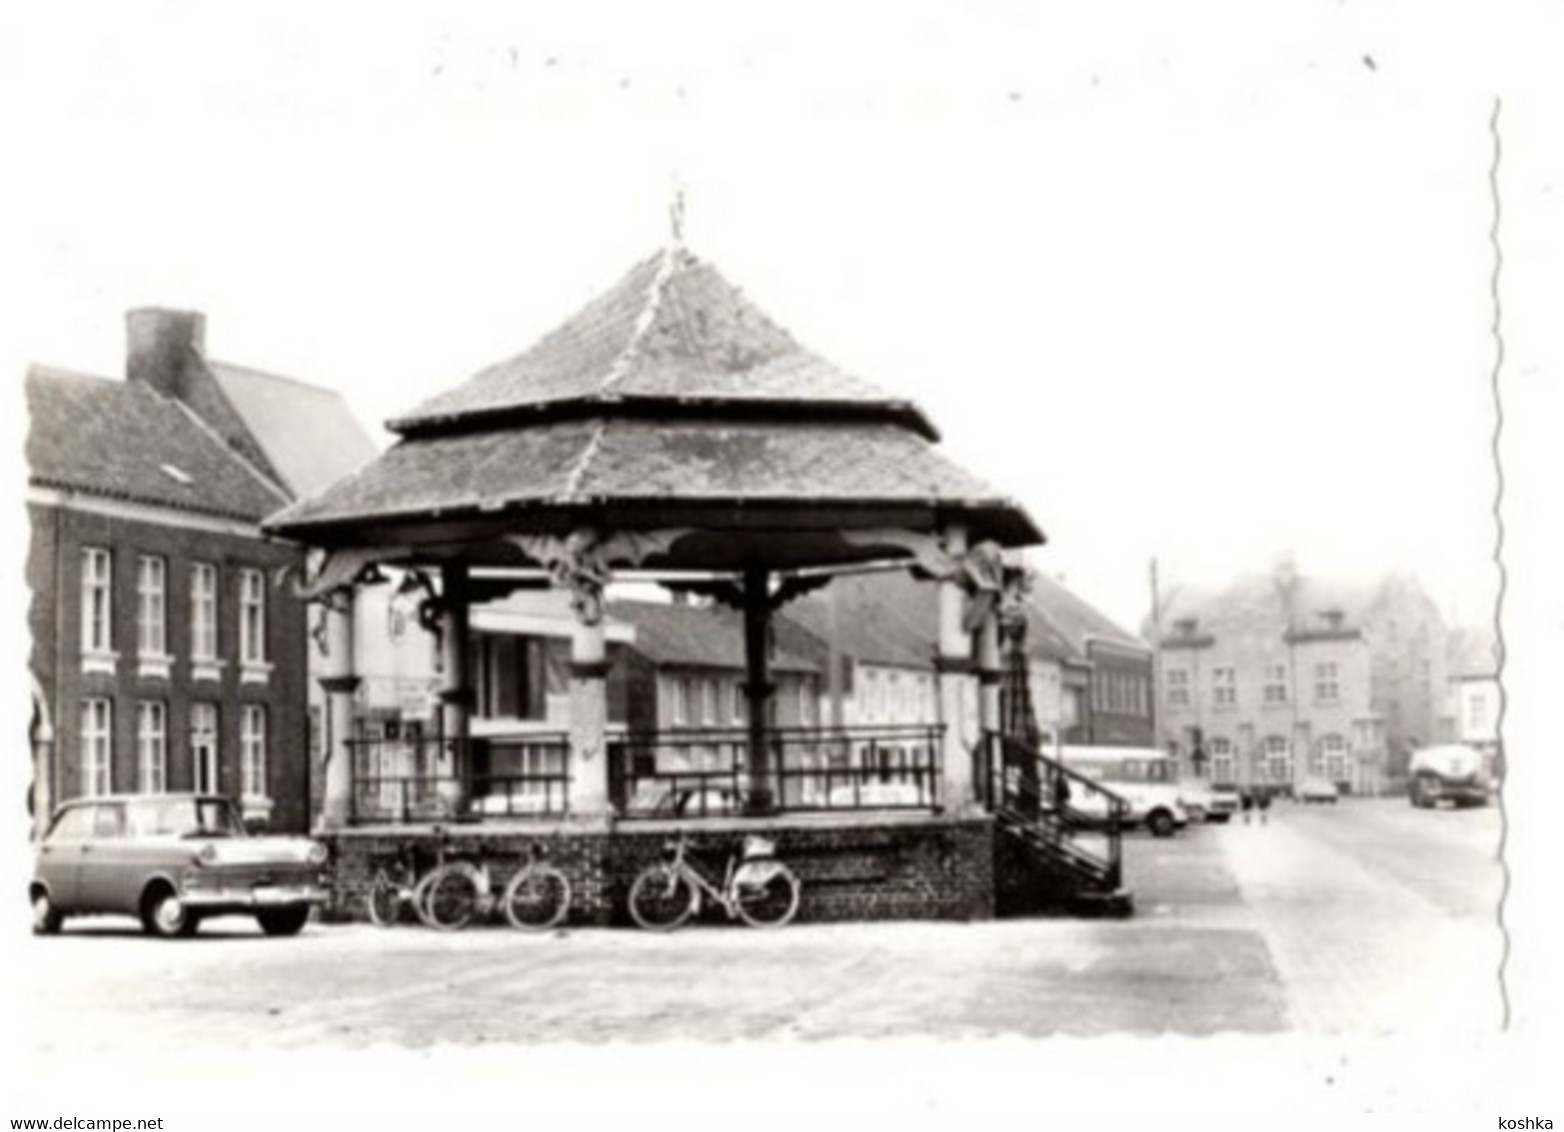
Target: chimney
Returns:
[157, 342]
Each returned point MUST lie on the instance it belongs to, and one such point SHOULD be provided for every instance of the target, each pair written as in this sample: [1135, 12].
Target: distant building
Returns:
[169, 652]
[1474, 689]
[1090, 681]
[1115, 706]
[1279, 677]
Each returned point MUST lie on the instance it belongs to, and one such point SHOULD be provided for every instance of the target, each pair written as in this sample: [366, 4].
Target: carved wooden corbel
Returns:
[582, 561]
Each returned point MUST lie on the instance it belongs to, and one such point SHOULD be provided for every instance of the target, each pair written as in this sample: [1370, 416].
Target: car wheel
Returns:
[164, 915]
[283, 921]
[46, 917]
[1160, 822]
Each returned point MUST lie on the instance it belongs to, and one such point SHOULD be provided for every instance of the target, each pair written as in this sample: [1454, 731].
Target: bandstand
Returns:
[670, 431]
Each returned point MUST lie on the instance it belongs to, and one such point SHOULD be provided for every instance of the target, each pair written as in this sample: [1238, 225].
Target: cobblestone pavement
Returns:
[1380, 918]
[1310, 921]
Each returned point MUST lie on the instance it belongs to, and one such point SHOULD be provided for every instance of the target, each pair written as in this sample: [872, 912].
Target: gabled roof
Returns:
[307, 433]
[122, 440]
[886, 618]
[1473, 652]
[673, 329]
[892, 618]
[1257, 598]
[1077, 622]
[697, 636]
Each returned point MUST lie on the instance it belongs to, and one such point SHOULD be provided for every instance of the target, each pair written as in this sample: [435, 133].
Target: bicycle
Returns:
[759, 889]
[536, 898]
[398, 887]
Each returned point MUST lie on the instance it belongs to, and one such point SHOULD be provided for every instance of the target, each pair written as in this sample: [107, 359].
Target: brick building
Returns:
[168, 650]
[1279, 677]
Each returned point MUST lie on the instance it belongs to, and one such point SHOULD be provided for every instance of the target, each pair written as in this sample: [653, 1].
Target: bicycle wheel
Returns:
[661, 898]
[769, 902]
[536, 898]
[452, 899]
[385, 901]
[420, 898]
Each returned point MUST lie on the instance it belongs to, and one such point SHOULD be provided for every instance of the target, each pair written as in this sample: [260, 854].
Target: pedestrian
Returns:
[1264, 802]
[1246, 802]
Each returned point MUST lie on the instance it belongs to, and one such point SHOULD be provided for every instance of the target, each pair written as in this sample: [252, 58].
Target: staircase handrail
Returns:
[1044, 810]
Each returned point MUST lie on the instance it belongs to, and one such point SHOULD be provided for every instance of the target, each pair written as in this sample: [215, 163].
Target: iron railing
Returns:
[707, 773]
[429, 779]
[1073, 819]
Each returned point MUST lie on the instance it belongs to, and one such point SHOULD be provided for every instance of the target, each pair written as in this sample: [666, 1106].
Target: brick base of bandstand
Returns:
[890, 867]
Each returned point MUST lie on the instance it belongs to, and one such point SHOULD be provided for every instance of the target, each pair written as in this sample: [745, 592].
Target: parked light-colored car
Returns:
[1316, 790]
[1206, 801]
[172, 860]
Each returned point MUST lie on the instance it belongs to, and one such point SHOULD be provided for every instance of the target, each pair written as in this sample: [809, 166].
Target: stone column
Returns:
[339, 683]
[588, 758]
[456, 691]
[954, 666]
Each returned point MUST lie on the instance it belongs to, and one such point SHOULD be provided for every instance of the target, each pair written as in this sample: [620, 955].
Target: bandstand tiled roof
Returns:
[671, 328]
[669, 401]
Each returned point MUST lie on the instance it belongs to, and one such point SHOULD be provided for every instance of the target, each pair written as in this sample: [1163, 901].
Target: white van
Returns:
[1144, 777]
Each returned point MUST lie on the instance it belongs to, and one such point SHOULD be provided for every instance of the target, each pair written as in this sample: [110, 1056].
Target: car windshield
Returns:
[183, 817]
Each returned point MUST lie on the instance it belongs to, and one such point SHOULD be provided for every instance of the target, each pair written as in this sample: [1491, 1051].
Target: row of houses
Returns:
[170, 651]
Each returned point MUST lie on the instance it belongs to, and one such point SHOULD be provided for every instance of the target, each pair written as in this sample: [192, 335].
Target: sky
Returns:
[1180, 299]
[1206, 282]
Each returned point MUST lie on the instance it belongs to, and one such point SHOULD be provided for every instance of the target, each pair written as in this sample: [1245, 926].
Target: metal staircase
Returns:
[1064, 830]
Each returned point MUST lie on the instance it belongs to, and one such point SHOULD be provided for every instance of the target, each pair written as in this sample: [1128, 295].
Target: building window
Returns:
[1224, 687]
[252, 626]
[203, 619]
[252, 751]
[1275, 688]
[1278, 759]
[678, 701]
[706, 701]
[97, 610]
[510, 677]
[151, 747]
[151, 619]
[1178, 687]
[1477, 714]
[1326, 688]
[97, 745]
[203, 748]
[1221, 753]
[1333, 754]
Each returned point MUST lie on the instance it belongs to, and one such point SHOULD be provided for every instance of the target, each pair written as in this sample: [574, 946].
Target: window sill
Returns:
[106, 663]
[154, 665]
[256, 807]
[206, 670]
[255, 672]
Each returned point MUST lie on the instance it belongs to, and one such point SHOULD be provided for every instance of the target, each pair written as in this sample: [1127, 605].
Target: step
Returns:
[1116, 905]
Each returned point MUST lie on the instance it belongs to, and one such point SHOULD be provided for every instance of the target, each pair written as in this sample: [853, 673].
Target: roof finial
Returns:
[676, 215]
